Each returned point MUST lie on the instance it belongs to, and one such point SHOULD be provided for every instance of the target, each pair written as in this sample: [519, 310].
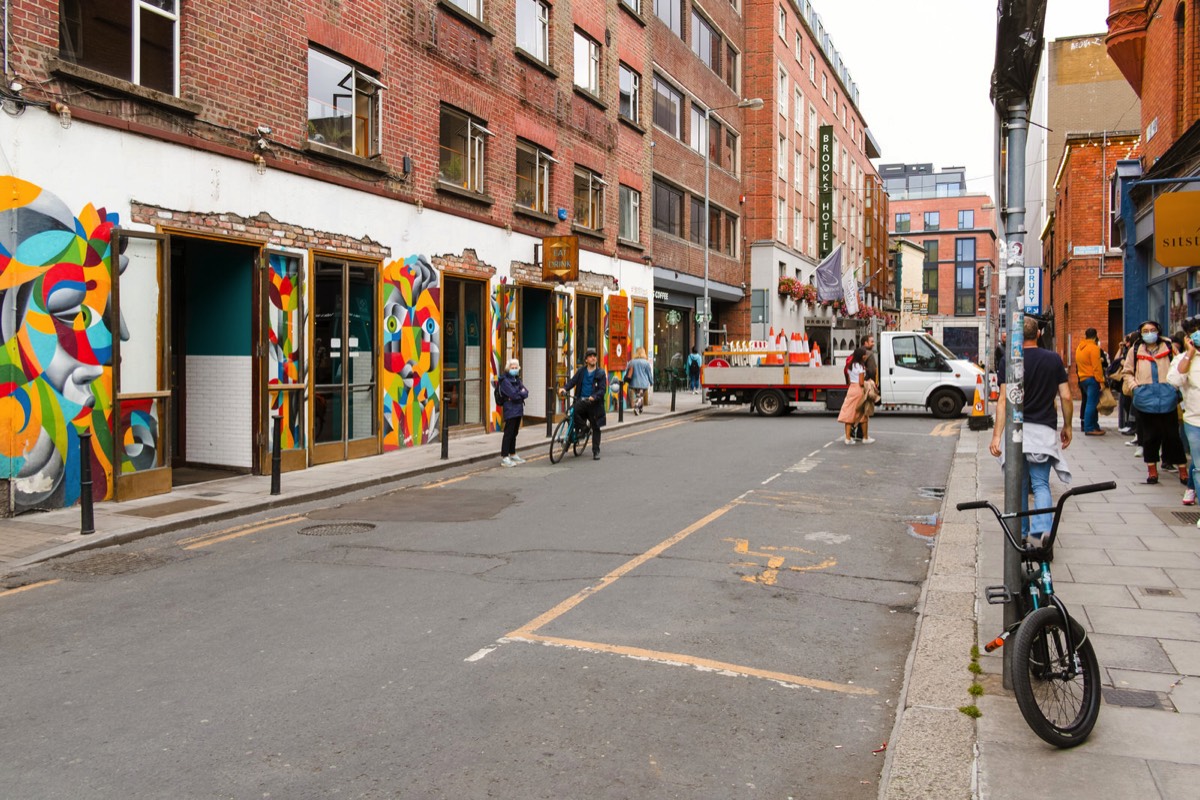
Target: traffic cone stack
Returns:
[979, 421]
[804, 354]
[815, 361]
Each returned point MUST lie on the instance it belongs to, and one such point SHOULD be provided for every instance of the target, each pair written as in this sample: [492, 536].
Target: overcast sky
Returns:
[924, 67]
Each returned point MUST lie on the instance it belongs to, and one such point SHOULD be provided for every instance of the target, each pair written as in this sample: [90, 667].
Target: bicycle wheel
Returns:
[583, 435]
[558, 442]
[1058, 692]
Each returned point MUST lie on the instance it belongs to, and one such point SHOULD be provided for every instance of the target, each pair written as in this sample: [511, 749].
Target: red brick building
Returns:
[1084, 268]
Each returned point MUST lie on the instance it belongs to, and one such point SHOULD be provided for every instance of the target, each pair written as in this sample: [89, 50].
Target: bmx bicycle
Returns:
[572, 433]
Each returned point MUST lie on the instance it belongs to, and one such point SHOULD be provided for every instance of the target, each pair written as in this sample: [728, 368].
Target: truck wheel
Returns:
[946, 403]
[769, 403]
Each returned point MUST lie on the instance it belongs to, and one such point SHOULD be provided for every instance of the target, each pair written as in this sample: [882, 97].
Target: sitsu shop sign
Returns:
[1177, 229]
[560, 258]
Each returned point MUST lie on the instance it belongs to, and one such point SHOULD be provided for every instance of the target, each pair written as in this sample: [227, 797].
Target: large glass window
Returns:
[630, 225]
[729, 155]
[533, 27]
[697, 130]
[903, 222]
[731, 62]
[343, 105]
[966, 219]
[964, 277]
[631, 94]
[706, 42]
[533, 178]
[589, 199]
[929, 275]
[933, 220]
[461, 141]
[668, 209]
[100, 35]
[731, 229]
[671, 13]
[472, 7]
[587, 63]
[668, 108]
[696, 220]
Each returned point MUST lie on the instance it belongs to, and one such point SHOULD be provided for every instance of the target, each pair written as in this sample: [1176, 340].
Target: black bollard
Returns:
[621, 401]
[276, 452]
[445, 440]
[87, 522]
[549, 412]
[673, 383]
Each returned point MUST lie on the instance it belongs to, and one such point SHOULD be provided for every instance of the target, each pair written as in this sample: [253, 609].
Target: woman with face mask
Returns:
[1145, 373]
[1187, 379]
[513, 392]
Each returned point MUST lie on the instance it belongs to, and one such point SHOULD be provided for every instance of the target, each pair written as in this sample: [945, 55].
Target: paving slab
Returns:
[1184, 656]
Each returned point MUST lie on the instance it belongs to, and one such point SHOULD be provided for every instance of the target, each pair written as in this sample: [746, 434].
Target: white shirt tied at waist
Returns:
[1041, 443]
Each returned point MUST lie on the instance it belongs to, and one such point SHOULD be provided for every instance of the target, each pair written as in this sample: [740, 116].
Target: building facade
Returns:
[209, 220]
[1156, 45]
[957, 231]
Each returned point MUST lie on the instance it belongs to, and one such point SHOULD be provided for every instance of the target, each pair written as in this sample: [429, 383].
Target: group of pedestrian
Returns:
[862, 393]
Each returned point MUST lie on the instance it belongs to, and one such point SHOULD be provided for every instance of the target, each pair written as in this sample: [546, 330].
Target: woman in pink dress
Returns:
[852, 412]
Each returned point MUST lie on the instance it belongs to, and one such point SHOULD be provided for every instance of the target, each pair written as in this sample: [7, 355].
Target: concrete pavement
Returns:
[1127, 564]
[38, 536]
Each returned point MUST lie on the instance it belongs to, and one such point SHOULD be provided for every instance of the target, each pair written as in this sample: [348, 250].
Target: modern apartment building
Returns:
[797, 212]
[958, 233]
[342, 212]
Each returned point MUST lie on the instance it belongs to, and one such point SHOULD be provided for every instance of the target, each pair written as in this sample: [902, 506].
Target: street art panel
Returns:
[412, 364]
[55, 345]
[504, 309]
[285, 347]
[564, 325]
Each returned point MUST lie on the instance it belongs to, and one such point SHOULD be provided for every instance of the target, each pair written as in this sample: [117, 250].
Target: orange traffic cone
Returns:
[979, 421]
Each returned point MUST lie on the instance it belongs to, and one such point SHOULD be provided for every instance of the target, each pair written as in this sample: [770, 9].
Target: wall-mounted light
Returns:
[260, 164]
[64, 114]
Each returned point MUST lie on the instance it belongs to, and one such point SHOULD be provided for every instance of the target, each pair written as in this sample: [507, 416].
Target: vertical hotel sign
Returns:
[825, 191]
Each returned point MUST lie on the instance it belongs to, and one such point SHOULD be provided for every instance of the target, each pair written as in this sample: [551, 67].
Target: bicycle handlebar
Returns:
[972, 504]
[1056, 510]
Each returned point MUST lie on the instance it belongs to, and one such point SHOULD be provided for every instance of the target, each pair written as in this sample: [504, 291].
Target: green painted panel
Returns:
[218, 312]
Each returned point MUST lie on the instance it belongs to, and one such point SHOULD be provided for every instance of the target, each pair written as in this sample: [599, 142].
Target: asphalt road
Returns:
[720, 608]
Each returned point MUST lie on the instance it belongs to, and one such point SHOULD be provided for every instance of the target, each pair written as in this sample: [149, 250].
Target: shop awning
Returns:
[674, 281]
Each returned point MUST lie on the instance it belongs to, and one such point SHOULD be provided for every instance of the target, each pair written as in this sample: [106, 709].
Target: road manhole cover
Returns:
[337, 529]
[110, 564]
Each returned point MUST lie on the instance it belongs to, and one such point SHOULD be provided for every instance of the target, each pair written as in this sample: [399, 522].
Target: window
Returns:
[533, 177]
[668, 108]
[472, 7]
[929, 274]
[630, 226]
[714, 228]
[668, 209]
[812, 127]
[824, 87]
[461, 146]
[99, 36]
[783, 91]
[799, 46]
[587, 64]
[731, 62]
[714, 139]
[698, 130]
[783, 154]
[798, 172]
[798, 113]
[812, 69]
[903, 223]
[812, 182]
[589, 199]
[782, 21]
[913, 352]
[729, 156]
[631, 94]
[812, 237]
[633, 5]
[797, 228]
[343, 106]
[671, 13]
[964, 290]
[781, 221]
[933, 220]
[731, 226]
[696, 220]
[706, 43]
[533, 29]
[966, 219]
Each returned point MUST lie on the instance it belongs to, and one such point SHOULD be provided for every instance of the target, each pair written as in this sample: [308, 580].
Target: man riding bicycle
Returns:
[591, 386]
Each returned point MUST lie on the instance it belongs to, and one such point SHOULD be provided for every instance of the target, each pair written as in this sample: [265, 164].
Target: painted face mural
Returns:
[55, 344]
[412, 364]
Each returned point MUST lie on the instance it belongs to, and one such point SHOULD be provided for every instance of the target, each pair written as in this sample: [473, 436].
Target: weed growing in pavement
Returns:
[976, 688]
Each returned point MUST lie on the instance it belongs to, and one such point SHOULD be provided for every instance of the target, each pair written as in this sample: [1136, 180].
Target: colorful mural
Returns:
[564, 327]
[285, 352]
[139, 423]
[55, 345]
[412, 364]
[504, 308]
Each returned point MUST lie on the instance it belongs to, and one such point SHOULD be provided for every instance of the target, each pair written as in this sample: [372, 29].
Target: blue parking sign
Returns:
[1033, 290]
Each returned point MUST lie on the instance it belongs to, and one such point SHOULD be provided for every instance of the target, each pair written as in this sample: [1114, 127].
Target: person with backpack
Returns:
[1155, 400]
[510, 395]
[693, 371]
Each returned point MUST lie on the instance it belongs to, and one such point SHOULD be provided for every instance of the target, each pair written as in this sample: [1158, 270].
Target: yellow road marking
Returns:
[770, 573]
[704, 664]
[242, 530]
[27, 587]
[949, 428]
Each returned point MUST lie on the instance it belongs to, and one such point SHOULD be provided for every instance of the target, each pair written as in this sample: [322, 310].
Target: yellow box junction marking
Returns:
[770, 573]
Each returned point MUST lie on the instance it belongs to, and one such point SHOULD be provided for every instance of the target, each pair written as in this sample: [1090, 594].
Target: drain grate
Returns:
[110, 564]
[1154, 591]
[337, 529]
[1132, 698]
[932, 492]
[1187, 517]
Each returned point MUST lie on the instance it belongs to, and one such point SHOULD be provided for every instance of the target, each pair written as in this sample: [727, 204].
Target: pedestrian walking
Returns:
[639, 375]
[591, 387]
[1155, 401]
[853, 411]
[1115, 380]
[694, 362]
[513, 393]
[1089, 370]
[1043, 442]
[1187, 380]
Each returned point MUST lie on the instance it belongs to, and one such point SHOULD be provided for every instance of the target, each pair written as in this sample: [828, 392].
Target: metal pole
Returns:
[704, 315]
[673, 382]
[276, 451]
[445, 440]
[87, 522]
[1014, 458]
[621, 400]
[549, 411]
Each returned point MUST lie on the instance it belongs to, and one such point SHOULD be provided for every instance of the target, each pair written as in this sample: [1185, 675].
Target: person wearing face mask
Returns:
[1145, 380]
[1187, 380]
[514, 394]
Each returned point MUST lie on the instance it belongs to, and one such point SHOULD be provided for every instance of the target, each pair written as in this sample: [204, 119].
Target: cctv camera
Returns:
[264, 130]
[15, 87]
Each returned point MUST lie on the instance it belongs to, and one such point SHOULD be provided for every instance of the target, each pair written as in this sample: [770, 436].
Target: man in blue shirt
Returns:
[591, 387]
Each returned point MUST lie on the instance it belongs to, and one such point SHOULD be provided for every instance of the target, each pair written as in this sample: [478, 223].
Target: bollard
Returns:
[620, 401]
[86, 521]
[673, 382]
[276, 451]
[549, 412]
[445, 441]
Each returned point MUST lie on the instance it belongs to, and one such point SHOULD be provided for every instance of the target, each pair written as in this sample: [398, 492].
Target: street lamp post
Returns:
[753, 103]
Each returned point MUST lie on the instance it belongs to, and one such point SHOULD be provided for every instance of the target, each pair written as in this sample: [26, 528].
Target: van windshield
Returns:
[941, 348]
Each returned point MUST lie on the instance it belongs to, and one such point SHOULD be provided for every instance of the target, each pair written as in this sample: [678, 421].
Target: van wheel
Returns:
[769, 403]
[946, 404]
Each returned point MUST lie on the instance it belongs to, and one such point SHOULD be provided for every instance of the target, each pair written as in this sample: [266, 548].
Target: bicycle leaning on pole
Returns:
[1055, 675]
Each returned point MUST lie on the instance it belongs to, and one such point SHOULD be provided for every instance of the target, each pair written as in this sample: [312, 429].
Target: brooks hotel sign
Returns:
[1177, 229]
[825, 191]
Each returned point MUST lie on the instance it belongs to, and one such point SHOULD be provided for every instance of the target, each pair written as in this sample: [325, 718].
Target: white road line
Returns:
[773, 477]
[813, 453]
[481, 653]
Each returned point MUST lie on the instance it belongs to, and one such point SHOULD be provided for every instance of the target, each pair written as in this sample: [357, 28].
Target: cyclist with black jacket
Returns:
[591, 387]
